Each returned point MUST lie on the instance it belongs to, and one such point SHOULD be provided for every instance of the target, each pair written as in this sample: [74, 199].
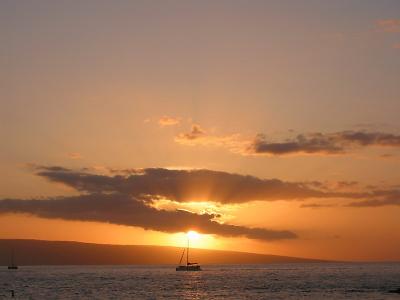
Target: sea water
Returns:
[267, 281]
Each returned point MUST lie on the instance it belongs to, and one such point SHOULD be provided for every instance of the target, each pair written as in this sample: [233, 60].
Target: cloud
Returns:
[374, 198]
[325, 144]
[130, 197]
[168, 121]
[343, 184]
[195, 133]
[198, 136]
[315, 143]
[155, 184]
[388, 25]
[376, 202]
[126, 210]
[379, 198]
[316, 205]
[336, 143]
[362, 138]
[36, 167]
[74, 155]
[387, 155]
[186, 185]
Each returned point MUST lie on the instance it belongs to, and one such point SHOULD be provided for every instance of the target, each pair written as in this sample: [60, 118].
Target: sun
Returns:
[195, 239]
[193, 235]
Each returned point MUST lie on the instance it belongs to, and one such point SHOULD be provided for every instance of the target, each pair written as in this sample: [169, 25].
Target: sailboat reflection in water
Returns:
[190, 266]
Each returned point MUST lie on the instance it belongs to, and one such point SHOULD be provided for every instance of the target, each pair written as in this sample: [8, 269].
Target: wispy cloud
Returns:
[388, 25]
[379, 198]
[168, 121]
[198, 136]
[336, 143]
[325, 143]
[316, 205]
[74, 155]
[196, 133]
[376, 202]
[387, 156]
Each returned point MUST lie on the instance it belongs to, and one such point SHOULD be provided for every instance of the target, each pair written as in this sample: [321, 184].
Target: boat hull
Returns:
[188, 268]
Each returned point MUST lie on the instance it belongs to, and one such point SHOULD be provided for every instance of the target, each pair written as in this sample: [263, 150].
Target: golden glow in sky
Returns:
[256, 125]
[196, 240]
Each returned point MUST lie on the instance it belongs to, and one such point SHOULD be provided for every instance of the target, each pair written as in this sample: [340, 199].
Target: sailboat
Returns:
[13, 266]
[190, 266]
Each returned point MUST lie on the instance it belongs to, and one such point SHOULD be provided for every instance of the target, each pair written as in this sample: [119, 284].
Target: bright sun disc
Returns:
[193, 235]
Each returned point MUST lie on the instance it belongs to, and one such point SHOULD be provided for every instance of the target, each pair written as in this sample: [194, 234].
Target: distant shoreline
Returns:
[41, 252]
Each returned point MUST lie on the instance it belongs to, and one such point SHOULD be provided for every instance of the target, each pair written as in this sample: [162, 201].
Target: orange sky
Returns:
[301, 95]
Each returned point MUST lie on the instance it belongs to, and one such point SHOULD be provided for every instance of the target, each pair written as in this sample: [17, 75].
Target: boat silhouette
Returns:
[190, 266]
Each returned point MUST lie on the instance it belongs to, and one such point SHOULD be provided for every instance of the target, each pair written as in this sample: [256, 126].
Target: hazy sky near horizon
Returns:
[304, 96]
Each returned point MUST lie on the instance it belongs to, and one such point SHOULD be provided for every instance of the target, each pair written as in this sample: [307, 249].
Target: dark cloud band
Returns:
[126, 210]
[186, 185]
[206, 185]
[126, 197]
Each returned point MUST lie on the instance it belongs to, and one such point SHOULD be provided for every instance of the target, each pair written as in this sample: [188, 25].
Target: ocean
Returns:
[267, 281]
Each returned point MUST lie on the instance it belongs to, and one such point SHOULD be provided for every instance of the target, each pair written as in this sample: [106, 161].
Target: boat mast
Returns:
[187, 253]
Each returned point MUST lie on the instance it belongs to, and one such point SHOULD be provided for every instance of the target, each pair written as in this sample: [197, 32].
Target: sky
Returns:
[266, 126]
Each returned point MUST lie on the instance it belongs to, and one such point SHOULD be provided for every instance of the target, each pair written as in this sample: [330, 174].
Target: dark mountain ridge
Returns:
[39, 252]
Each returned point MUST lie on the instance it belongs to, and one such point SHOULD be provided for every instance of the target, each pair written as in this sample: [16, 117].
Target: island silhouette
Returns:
[41, 252]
